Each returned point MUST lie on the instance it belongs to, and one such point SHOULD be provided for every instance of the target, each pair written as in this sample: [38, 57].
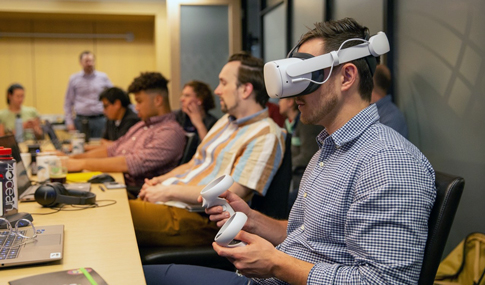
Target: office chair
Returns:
[191, 143]
[273, 204]
[449, 189]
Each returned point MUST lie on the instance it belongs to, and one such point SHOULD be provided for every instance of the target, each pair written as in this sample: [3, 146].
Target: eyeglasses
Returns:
[12, 238]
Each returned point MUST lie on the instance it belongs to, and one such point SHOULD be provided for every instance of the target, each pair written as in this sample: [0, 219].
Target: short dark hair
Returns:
[85, 53]
[251, 71]
[11, 89]
[334, 33]
[203, 92]
[114, 93]
[382, 77]
[149, 82]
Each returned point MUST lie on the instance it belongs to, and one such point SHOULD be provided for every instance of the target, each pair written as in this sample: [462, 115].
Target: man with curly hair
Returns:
[151, 147]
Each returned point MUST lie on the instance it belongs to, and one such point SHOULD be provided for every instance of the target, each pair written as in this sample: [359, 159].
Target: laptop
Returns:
[25, 188]
[48, 246]
[47, 127]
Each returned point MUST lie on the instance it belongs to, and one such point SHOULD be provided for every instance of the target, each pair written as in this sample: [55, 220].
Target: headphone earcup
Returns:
[53, 194]
[47, 195]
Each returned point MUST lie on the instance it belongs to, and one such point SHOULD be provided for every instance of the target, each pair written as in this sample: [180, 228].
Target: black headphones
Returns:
[53, 194]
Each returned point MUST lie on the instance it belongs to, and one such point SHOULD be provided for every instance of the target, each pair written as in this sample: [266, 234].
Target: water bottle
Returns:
[8, 183]
[19, 129]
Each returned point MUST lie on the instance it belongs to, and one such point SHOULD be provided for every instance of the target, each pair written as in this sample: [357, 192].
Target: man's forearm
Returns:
[100, 152]
[176, 171]
[187, 194]
[107, 164]
[268, 228]
[290, 269]
[201, 130]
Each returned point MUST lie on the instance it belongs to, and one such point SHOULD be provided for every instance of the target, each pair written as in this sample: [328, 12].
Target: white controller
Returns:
[225, 236]
[210, 198]
[210, 193]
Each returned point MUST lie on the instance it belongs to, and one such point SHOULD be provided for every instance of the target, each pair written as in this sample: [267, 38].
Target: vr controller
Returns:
[302, 73]
[210, 198]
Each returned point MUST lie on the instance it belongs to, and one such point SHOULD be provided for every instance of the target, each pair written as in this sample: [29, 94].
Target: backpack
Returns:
[465, 265]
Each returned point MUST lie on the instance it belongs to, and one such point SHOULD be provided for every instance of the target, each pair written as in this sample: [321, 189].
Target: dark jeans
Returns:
[96, 125]
[176, 274]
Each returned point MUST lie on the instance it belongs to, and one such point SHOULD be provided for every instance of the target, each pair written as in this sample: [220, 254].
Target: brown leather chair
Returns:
[449, 189]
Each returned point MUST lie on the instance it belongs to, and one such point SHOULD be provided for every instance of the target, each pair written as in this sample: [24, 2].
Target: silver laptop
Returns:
[48, 246]
[49, 130]
[25, 188]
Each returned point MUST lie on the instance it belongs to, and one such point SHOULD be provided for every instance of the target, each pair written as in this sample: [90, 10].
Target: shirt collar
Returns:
[384, 101]
[87, 75]
[250, 119]
[353, 128]
[157, 119]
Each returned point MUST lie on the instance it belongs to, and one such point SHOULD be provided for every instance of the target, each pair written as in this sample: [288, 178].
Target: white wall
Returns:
[305, 15]
[440, 72]
[367, 12]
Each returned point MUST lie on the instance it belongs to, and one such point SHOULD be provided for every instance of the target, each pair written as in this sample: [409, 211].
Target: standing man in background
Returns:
[389, 113]
[82, 97]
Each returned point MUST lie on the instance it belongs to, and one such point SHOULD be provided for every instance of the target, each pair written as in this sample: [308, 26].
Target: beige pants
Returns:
[161, 225]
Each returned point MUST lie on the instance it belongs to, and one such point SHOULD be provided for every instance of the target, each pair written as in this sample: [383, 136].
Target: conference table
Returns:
[102, 238]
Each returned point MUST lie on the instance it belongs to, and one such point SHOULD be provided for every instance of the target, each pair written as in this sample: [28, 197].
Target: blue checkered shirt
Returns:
[362, 210]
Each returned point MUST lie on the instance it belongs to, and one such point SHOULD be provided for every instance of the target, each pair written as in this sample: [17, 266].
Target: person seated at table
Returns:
[245, 143]
[117, 109]
[194, 116]
[29, 115]
[389, 113]
[151, 147]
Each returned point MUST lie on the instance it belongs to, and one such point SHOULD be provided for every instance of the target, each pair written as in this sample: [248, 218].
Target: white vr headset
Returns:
[302, 73]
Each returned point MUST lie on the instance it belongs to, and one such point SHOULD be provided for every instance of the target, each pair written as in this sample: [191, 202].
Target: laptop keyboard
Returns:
[10, 245]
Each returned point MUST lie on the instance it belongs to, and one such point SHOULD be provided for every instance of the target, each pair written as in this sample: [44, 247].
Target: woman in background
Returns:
[30, 117]
[194, 116]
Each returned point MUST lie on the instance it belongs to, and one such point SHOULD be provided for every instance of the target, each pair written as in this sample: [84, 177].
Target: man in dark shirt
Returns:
[121, 117]
[389, 113]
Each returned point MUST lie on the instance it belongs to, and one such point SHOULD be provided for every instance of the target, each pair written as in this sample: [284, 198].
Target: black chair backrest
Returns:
[275, 202]
[449, 189]
[191, 144]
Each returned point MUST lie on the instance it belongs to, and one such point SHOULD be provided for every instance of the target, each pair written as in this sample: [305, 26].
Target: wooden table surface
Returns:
[102, 238]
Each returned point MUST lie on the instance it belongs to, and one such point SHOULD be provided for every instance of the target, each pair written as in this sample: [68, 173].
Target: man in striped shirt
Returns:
[245, 143]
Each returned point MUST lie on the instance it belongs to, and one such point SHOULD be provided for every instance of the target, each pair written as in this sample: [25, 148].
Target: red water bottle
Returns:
[8, 183]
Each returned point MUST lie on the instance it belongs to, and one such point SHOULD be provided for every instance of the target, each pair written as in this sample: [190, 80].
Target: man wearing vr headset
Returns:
[361, 215]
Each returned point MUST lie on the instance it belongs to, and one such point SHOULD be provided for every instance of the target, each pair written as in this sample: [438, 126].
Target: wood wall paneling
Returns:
[44, 65]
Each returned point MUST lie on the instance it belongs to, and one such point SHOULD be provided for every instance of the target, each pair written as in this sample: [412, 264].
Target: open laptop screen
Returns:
[52, 135]
[23, 181]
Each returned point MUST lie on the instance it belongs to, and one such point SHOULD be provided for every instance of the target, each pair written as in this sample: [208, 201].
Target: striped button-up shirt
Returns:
[249, 149]
[362, 210]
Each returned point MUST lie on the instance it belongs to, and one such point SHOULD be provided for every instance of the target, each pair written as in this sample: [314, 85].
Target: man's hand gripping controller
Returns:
[210, 198]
